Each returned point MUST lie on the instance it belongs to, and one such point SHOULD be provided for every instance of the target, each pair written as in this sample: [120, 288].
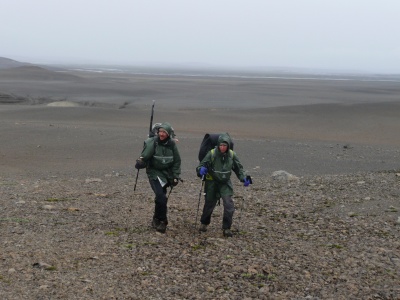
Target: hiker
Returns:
[217, 167]
[160, 157]
[154, 132]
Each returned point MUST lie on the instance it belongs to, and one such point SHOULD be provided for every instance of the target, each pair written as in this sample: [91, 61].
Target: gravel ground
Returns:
[315, 237]
[72, 226]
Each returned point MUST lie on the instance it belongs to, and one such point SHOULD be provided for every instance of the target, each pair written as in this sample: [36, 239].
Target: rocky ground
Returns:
[316, 237]
[72, 226]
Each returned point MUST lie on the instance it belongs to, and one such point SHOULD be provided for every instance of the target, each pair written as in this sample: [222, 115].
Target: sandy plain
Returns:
[303, 126]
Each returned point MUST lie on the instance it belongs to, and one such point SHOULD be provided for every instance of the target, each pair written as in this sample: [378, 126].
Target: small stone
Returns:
[252, 270]
[90, 180]
[283, 176]
[42, 265]
[48, 207]
[210, 289]
[73, 209]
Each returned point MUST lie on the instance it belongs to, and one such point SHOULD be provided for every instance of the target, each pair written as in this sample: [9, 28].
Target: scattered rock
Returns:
[48, 207]
[90, 180]
[73, 209]
[42, 265]
[283, 176]
[316, 237]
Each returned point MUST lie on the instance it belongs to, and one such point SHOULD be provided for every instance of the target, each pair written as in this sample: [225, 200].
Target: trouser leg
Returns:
[229, 209]
[209, 204]
[208, 209]
[160, 211]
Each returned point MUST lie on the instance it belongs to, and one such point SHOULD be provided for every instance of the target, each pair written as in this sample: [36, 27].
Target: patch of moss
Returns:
[112, 233]
[146, 273]
[198, 247]
[271, 277]
[150, 243]
[129, 246]
[2, 279]
[335, 246]
[115, 231]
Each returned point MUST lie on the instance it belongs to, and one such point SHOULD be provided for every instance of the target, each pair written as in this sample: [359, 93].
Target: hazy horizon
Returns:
[208, 71]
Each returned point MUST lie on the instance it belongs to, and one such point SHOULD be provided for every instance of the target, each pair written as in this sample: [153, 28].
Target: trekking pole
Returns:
[137, 175]
[241, 207]
[170, 192]
[150, 134]
[203, 179]
[151, 119]
[240, 215]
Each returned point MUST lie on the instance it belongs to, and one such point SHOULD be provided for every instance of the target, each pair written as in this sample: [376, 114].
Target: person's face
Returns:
[162, 134]
[223, 147]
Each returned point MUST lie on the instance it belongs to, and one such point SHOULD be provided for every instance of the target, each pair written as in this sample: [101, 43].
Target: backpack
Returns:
[210, 141]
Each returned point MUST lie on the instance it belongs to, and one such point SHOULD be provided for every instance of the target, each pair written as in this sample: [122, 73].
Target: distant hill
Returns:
[6, 63]
[32, 72]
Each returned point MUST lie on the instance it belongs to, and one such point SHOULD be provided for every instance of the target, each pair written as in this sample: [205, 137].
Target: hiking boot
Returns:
[162, 226]
[155, 223]
[227, 233]
[203, 227]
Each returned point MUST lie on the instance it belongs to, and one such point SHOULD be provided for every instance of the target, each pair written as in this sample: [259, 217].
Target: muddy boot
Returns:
[162, 227]
[227, 233]
[155, 223]
[203, 227]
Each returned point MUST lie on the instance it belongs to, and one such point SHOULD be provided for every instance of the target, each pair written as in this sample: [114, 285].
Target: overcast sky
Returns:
[353, 35]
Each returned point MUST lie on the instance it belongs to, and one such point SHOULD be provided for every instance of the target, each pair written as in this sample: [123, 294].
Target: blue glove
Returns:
[203, 171]
[246, 182]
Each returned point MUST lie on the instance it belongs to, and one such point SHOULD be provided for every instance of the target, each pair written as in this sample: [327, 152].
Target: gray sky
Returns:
[350, 35]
